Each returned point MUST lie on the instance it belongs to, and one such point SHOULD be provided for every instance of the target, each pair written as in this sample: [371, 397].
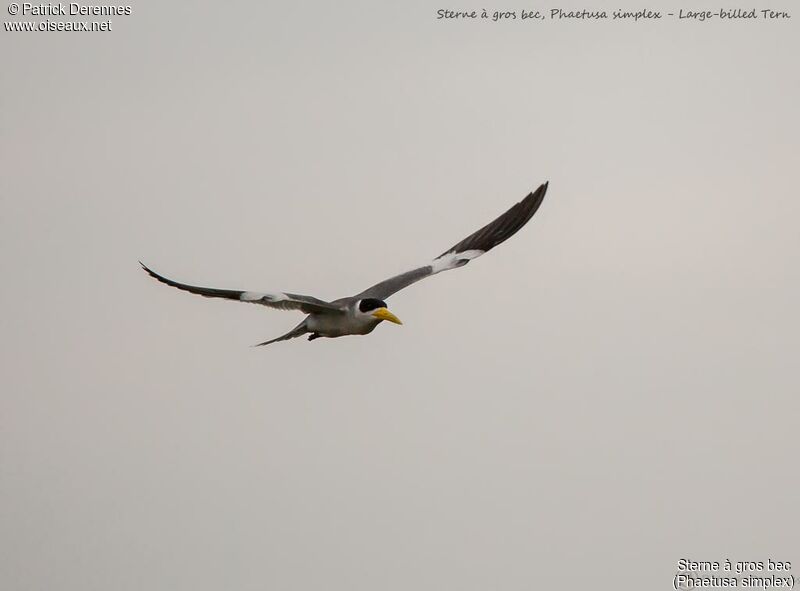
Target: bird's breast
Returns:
[340, 325]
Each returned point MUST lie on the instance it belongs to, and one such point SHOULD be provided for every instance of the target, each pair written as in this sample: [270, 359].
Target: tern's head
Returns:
[377, 309]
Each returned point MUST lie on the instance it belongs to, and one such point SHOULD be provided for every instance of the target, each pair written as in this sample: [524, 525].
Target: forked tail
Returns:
[297, 331]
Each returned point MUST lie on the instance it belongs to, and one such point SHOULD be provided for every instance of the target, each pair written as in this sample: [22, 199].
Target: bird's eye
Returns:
[370, 304]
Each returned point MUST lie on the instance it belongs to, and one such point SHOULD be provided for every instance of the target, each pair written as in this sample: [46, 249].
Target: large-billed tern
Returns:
[361, 313]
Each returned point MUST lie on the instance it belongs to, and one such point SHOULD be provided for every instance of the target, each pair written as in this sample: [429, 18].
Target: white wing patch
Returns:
[453, 260]
[254, 296]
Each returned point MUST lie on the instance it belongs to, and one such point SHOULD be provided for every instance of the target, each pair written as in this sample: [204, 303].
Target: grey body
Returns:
[335, 325]
[343, 316]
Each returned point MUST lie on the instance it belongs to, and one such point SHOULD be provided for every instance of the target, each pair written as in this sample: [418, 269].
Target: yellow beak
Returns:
[384, 314]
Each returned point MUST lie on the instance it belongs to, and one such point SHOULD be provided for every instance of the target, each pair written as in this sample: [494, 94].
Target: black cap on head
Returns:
[370, 304]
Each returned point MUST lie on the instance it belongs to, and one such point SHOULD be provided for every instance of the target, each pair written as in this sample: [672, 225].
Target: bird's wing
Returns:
[470, 248]
[280, 301]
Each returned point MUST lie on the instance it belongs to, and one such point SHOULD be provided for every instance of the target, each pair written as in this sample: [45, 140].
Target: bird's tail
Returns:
[297, 331]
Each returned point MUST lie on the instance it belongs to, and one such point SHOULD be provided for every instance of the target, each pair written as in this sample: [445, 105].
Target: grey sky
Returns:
[613, 389]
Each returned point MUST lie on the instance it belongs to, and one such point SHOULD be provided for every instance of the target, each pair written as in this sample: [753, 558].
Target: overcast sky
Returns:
[613, 389]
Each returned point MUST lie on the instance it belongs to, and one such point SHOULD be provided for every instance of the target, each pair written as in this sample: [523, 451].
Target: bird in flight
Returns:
[361, 313]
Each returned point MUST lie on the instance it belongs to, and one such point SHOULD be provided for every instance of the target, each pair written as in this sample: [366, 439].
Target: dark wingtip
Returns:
[161, 278]
[150, 272]
[537, 197]
[539, 193]
[505, 226]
